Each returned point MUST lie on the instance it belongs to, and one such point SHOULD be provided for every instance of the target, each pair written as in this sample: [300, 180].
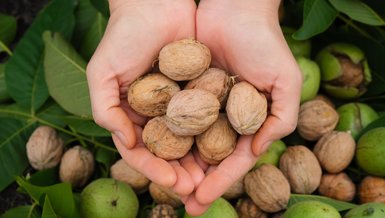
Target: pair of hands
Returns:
[244, 38]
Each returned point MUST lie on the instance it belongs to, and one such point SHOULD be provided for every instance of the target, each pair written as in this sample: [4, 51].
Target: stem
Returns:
[31, 210]
[357, 28]
[5, 48]
[373, 98]
[79, 139]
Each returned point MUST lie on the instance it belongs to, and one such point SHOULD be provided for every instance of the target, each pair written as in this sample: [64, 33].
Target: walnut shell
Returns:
[163, 211]
[247, 209]
[218, 142]
[123, 172]
[184, 59]
[149, 95]
[325, 99]
[335, 150]
[268, 188]
[246, 108]
[164, 195]
[76, 166]
[338, 186]
[214, 80]
[372, 189]
[301, 168]
[191, 112]
[316, 118]
[44, 148]
[162, 142]
[236, 190]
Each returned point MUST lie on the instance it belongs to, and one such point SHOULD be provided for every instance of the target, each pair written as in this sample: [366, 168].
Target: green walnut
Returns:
[272, 155]
[345, 71]
[370, 151]
[354, 117]
[311, 78]
[297, 47]
[368, 210]
[219, 209]
[311, 209]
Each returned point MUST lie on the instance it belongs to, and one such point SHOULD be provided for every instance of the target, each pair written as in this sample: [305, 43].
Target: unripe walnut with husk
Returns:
[268, 188]
[159, 139]
[246, 108]
[214, 80]
[301, 168]
[76, 166]
[149, 95]
[236, 190]
[315, 119]
[338, 186]
[163, 211]
[247, 209]
[191, 112]
[44, 148]
[184, 59]
[335, 150]
[123, 172]
[218, 142]
[372, 189]
[164, 195]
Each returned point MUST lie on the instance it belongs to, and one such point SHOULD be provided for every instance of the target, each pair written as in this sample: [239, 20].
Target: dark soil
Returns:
[24, 11]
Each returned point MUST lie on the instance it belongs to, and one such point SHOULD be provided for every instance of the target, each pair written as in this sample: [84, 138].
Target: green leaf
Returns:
[339, 205]
[60, 195]
[318, 15]
[24, 73]
[106, 158]
[85, 126]
[52, 113]
[45, 177]
[4, 96]
[93, 36]
[21, 211]
[66, 75]
[13, 159]
[8, 29]
[102, 6]
[85, 14]
[358, 11]
[48, 211]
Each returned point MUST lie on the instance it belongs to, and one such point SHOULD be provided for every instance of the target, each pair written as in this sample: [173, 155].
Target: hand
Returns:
[135, 33]
[245, 39]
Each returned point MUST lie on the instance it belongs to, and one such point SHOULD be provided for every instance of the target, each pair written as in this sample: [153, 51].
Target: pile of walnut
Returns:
[190, 102]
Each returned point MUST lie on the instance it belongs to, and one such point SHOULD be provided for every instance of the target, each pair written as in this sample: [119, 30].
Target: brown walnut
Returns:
[268, 188]
[247, 209]
[184, 59]
[214, 80]
[76, 166]
[44, 148]
[149, 95]
[217, 142]
[338, 186]
[236, 190]
[301, 168]
[123, 172]
[163, 211]
[164, 195]
[315, 119]
[191, 112]
[246, 108]
[372, 189]
[162, 142]
[335, 150]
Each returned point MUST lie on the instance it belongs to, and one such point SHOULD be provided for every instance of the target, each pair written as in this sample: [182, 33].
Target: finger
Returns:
[184, 184]
[106, 110]
[193, 207]
[134, 117]
[227, 172]
[283, 116]
[202, 164]
[154, 168]
[192, 167]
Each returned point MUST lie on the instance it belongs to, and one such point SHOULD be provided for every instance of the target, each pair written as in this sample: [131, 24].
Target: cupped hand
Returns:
[136, 31]
[246, 40]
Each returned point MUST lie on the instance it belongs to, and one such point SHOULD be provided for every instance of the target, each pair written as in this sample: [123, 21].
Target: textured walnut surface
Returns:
[372, 189]
[163, 211]
[121, 171]
[247, 209]
[338, 186]
[164, 195]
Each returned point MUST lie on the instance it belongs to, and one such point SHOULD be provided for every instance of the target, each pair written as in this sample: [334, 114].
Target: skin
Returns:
[245, 39]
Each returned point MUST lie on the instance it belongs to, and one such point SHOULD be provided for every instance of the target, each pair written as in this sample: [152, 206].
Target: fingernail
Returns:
[121, 137]
[264, 147]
